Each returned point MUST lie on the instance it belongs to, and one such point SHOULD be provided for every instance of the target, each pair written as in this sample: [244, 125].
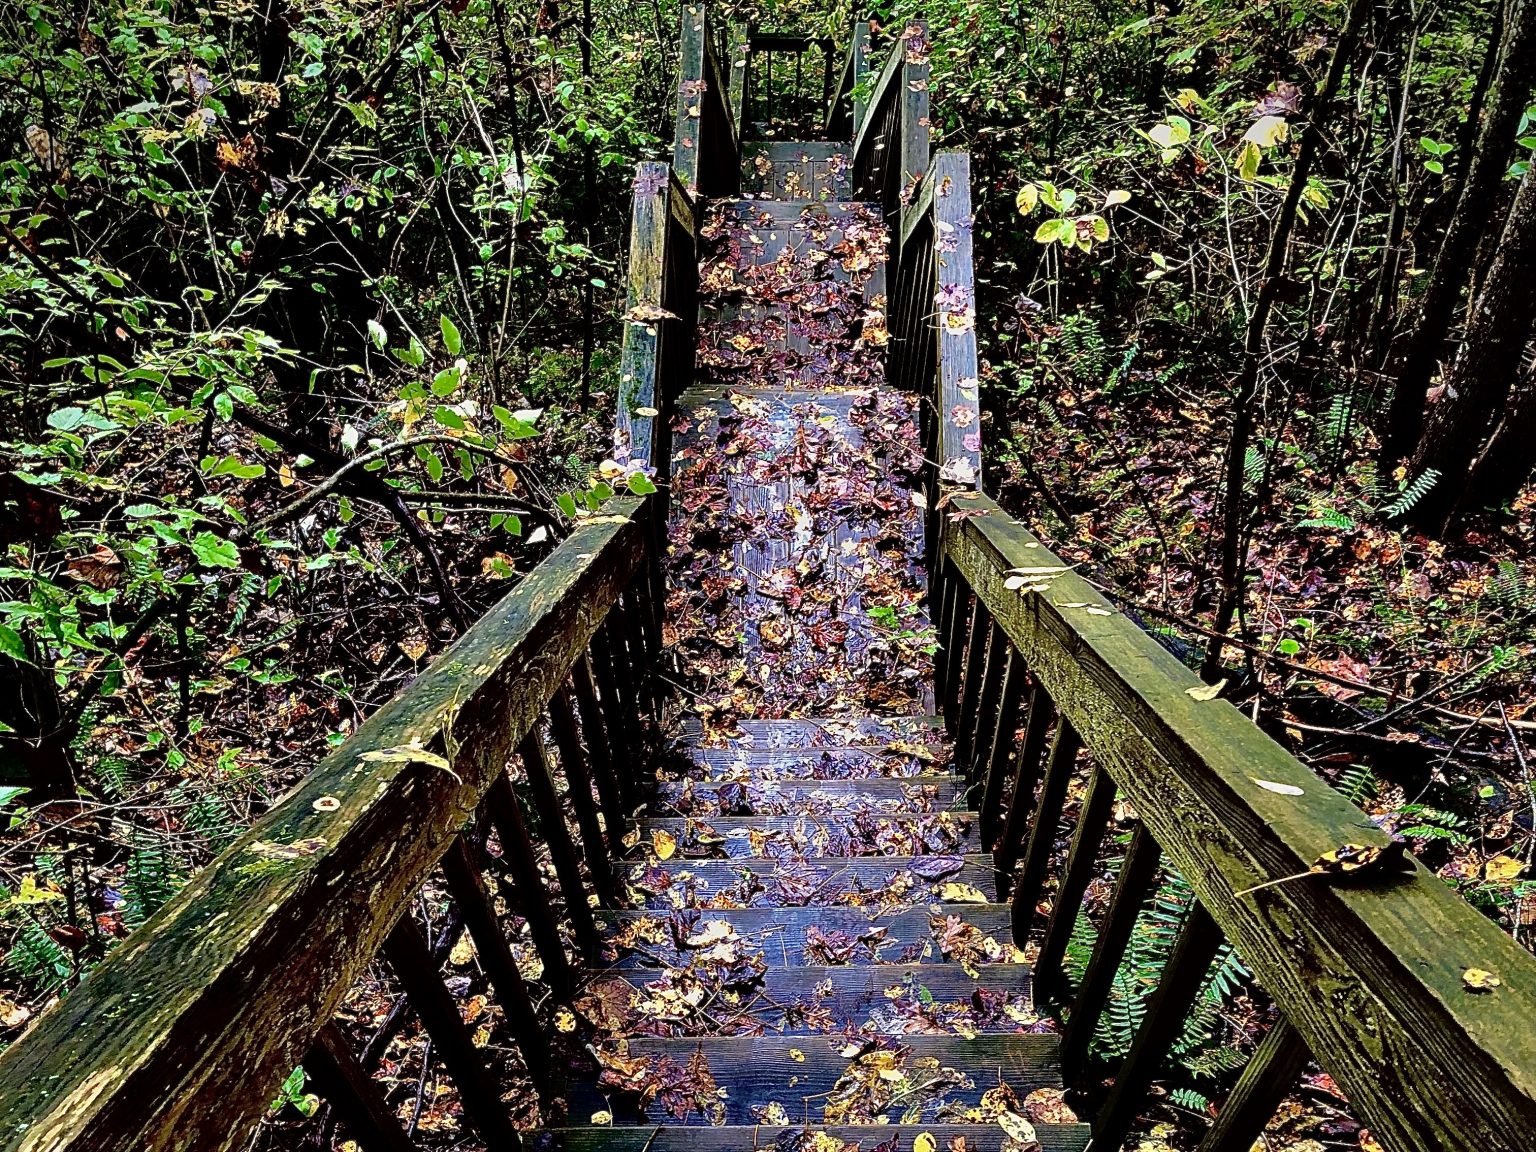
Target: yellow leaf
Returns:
[663, 843]
[1025, 201]
[1267, 131]
[565, 1021]
[1501, 868]
[1017, 1127]
[924, 1142]
[1248, 160]
[32, 893]
[1206, 691]
[602, 1119]
[285, 475]
[797, 1056]
[1480, 980]
[956, 893]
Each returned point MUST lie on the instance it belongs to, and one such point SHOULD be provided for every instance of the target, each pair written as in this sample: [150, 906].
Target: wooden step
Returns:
[798, 169]
[977, 933]
[764, 1138]
[902, 762]
[801, 1076]
[885, 882]
[733, 998]
[819, 797]
[780, 837]
[817, 732]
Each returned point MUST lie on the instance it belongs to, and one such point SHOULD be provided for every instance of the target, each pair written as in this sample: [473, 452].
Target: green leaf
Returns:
[215, 551]
[224, 405]
[66, 419]
[377, 334]
[344, 510]
[451, 338]
[1248, 157]
[448, 418]
[446, 382]
[433, 462]
[641, 484]
[567, 503]
[10, 643]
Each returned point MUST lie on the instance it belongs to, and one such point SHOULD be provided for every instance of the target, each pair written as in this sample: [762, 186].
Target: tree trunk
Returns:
[1478, 384]
[1234, 511]
[1458, 249]
[1505, 464]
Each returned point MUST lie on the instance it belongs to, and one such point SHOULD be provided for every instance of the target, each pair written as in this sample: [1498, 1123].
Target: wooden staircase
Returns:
[784, 927]
[815, 956]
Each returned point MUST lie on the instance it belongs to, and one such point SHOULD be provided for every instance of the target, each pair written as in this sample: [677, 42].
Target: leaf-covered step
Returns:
[799, 1138]
[972, 934]
[779, 837]
[727, 989]
[897, 760]
[807, 798]
[797, 170]
[815, 732]
[813, 1079]
[878, 883]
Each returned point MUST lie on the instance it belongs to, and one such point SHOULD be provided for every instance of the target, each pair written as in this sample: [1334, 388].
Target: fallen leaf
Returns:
[1501, 868]
[924, 1142]
[1480, 980]
[1017, 1128]
[956, 893]
[1206, 691]
[1270, 785]
[663, 843]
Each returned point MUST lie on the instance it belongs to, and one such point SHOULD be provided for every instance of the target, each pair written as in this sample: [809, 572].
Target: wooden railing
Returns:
[183, 1034]
[890, 151]
[790, 82]
[845, 110]
[706, 147]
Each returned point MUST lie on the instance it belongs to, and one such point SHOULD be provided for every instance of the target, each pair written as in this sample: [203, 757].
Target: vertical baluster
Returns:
[578, 774]
[1082, 857]
[341, 1079]
[1026, 771]
[964, 638]
[1036, 860]
[978, 744]
[1001, 747]
[616, 719]
[595, 731]
[411, 960]
[1138, 875]
[506, 813]
[946, 609]
[642, 669]
[1160, 1027]
[970, 690]
[562, 849]
[461, 869]
[1267, 1080]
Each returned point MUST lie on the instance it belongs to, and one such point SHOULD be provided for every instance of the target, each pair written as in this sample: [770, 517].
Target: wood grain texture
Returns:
[241, 969]
[958, 400]
[1370, 974]
[759, 1070]
[672, 1138]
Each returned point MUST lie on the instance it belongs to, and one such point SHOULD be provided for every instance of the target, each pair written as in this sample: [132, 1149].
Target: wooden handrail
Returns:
[891, 150]
[1370, 975]
[657, 359]
[182, 1035]
[844, 113]
[706, 150]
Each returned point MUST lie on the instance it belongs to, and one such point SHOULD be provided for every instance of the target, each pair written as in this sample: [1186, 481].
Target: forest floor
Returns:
[1397, 666]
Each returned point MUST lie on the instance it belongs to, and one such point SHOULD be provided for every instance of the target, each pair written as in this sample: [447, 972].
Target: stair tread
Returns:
[738, 998]
[801, 1075]
[775, 837]
[799, 936]
[981, 1137]
[830, 797]
[832, 763]
[886, 881]
[818, 731]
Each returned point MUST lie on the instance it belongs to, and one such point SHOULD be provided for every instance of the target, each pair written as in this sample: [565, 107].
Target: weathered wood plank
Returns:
[243, 967]
[674, 1138]
[1081, 866]
[1370, 974]
[859, 880]
[778, 837]
[1034, 865]
[959, 404]
[1138, 876]
[785, 936]
[1269, 1077]
[758, 1070]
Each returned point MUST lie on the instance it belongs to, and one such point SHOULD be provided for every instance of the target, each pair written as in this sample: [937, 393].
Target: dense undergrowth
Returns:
[310, 324]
